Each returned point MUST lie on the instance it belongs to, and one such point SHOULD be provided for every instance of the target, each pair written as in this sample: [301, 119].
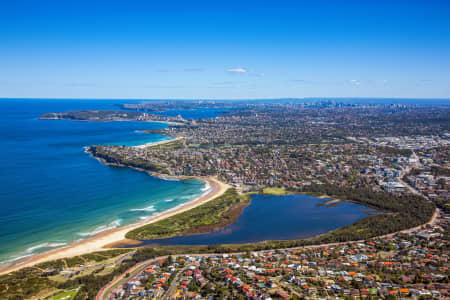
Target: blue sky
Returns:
[224, 49]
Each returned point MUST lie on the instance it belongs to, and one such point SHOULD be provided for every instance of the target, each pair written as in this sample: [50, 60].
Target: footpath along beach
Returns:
[101, 241]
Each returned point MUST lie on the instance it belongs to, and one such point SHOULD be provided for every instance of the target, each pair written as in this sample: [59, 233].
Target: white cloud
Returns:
[237, 70]
[355, 82]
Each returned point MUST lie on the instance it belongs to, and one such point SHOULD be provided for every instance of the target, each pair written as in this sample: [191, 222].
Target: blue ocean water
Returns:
[53, 193]
[276, 218]
[201, 113]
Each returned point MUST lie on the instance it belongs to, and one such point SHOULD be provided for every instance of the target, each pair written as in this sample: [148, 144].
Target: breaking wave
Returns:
[149, 208]
[32, 250]
[102, 228]
[45, 245]
[207, 187]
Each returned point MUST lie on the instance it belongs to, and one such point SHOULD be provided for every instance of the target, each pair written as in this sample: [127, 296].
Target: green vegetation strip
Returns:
[211, 213]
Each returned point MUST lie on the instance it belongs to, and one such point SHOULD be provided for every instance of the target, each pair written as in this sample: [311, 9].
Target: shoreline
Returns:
[103, 240]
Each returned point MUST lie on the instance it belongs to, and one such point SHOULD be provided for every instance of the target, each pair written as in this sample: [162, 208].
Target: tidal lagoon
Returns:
[270, 217]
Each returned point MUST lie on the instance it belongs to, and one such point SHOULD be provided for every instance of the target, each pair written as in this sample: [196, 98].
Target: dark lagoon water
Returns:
[276, 218]
[53, 193]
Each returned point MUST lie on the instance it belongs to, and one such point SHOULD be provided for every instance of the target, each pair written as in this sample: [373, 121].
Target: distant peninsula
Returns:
[109, 116]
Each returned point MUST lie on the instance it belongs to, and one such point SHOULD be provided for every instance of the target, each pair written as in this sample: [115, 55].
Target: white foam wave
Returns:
[14, 258]
[183, 198]
[207, 187]
[32, 250]
[44, 245]
[102, 228]
[149, 208]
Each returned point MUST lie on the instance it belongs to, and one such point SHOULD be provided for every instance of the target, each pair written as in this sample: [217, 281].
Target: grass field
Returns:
[274, 191]
[66, 295]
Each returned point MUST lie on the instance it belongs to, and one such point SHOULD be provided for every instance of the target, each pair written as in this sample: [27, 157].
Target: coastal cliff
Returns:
[109, 158]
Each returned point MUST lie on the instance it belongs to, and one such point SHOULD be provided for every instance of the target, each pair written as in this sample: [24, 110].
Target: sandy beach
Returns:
[158, 143]
[101, 241]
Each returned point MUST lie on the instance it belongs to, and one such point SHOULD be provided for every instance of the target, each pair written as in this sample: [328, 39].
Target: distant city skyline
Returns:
[229, 50]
